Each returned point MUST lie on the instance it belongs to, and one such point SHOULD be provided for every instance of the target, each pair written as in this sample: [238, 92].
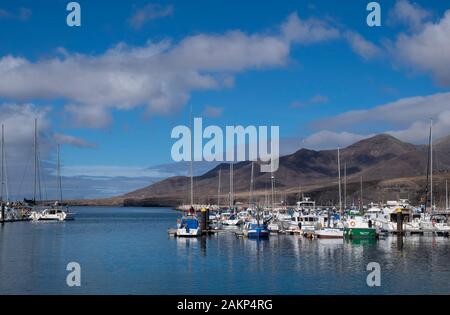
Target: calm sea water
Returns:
[128, 251]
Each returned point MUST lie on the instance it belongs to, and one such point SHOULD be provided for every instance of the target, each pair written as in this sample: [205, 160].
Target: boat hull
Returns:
[360, 233]
[258, 234]
[188, 233]
[330, 233]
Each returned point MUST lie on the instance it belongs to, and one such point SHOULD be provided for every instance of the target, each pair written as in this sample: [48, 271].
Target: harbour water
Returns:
[128, 251]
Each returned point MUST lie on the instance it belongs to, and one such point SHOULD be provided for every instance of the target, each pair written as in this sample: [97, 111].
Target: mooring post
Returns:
[203, 219]
[399, 222]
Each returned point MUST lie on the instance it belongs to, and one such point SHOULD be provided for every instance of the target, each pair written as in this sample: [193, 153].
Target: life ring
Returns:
[352, 223]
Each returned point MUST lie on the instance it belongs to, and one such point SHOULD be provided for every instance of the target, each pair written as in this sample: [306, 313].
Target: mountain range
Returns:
[383, 166]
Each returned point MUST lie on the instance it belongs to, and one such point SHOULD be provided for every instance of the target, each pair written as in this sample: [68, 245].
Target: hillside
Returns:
[378, 160]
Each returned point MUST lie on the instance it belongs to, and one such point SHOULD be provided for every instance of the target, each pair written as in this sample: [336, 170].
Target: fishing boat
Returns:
[330, 227]
[189, 225]
[256, 230]
[357, 227]
[329, 232]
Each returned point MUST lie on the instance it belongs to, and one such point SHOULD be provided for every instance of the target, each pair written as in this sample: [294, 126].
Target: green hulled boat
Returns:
[357, 228]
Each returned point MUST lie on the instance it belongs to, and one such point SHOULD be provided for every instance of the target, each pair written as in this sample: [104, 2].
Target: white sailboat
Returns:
[56, 212]
[329, 231]
[189, 225]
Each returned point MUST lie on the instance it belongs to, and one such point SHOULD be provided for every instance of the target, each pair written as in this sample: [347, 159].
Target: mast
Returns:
[339, 174]
[231, 186]
[251, 186]
[58, 175]
[218, 188]
[446, 195]
[345, 185]
[191, 171]
[361, 194]
[272, 179]
[431, 165]
[35, 161]
[3, 165]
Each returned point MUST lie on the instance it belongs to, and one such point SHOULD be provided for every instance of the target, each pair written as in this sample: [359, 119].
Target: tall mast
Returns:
[58, 171]
[231, 186]
[3, 165]
[272, 179]
[431, 165]
[218, 188]
[345, 185]
[361, 194]
[35, 161]
[251, 185]
[191, 171]
[339, 174]
[446, 195]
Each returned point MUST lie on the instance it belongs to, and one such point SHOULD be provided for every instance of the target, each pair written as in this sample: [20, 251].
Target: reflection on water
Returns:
[128, 251]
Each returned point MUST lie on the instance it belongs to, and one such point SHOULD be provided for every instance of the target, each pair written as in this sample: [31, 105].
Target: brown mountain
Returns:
[383, 162]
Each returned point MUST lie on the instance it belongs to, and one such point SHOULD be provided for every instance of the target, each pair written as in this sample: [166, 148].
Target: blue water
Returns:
[128, 251]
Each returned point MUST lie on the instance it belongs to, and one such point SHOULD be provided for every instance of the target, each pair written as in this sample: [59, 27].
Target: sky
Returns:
[111, 91]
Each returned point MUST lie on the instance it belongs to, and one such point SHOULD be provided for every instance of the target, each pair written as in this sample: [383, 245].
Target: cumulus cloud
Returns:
[361, 46]
[407, 119]
[307, 31]
[73, 141]
[326, 139]
[160, 75]
[427, 49]
[149, 12]
[410, 14]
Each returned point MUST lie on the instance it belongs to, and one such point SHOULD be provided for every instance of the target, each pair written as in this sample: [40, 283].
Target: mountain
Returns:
[377, 160]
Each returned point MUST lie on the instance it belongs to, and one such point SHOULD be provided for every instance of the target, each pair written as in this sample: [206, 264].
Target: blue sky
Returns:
[328, 63]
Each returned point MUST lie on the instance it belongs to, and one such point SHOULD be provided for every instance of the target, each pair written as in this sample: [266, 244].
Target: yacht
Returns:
[189, 226]
[51, 214]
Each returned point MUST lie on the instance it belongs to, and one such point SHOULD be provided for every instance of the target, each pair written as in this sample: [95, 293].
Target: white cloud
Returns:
[159, 75]
[326, 139]
[149, 12]
[427, 50]
[407, 119]
[410, 14]
[308, 31]
[361, 46]
[73, 141]
[109, 171]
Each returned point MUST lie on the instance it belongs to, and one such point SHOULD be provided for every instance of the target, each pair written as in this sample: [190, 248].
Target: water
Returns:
[128, 251]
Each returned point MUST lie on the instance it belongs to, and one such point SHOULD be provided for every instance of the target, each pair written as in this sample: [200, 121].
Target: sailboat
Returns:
[230, 218]
[189, 225]
[256, 228]
[333, 232]
[56, 212]
[434, 220]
